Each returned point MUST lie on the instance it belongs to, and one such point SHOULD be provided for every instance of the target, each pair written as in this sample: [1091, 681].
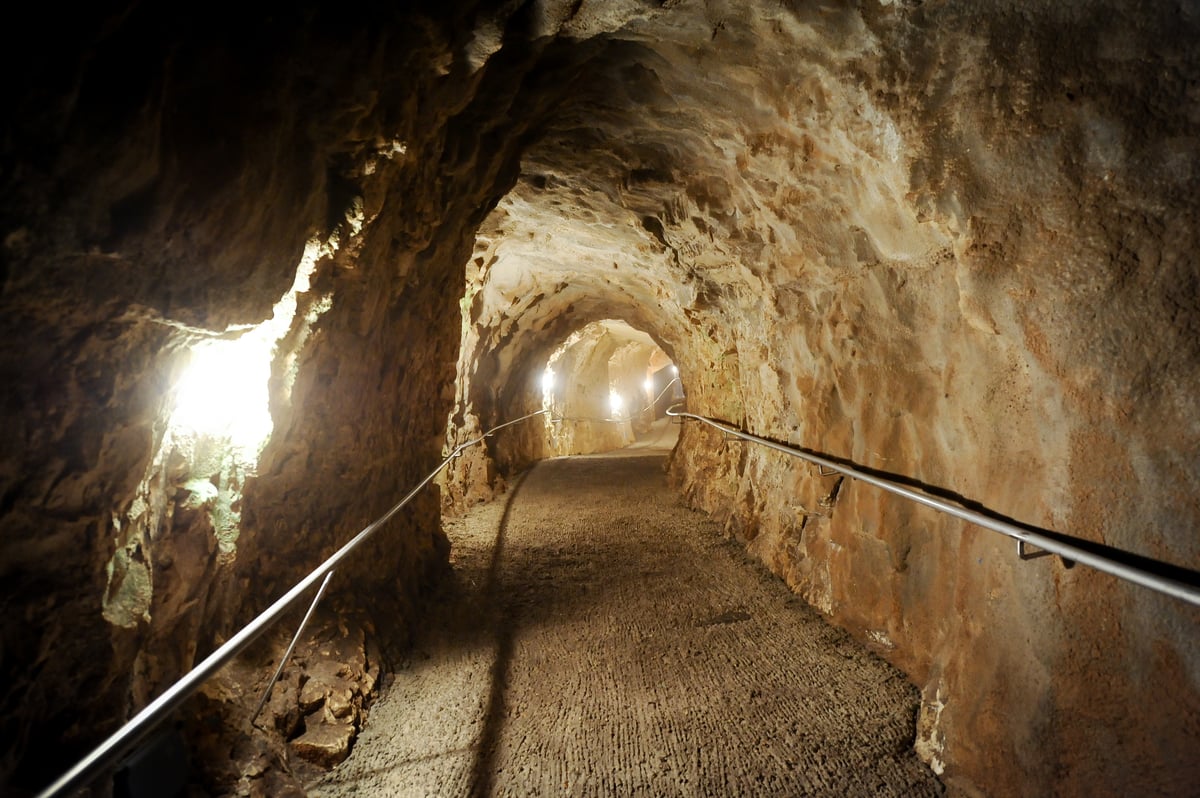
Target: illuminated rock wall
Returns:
[954, 242]
[583, 416]
[164, 169]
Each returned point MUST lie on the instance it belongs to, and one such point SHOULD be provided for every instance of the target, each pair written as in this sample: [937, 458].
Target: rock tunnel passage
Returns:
[600, 639]
[957, 241]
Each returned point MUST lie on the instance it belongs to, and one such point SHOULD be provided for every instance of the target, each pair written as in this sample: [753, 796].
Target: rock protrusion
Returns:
[337, 680]
[325, 744]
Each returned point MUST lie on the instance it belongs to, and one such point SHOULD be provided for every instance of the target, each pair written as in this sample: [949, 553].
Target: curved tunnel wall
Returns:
[954, 242]
[164, 169]
[599, 365]
[914, 256]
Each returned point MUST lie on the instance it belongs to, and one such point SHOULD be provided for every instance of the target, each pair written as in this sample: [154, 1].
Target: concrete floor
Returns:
[600, 639]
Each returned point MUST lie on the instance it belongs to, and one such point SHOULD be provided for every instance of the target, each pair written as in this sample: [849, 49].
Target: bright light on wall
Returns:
[223, 393]
[616, 403]
[548, 381]
[675, 370]
[649, 384]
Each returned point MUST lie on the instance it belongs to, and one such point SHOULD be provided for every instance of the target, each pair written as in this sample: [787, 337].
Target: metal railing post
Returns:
[287, 655]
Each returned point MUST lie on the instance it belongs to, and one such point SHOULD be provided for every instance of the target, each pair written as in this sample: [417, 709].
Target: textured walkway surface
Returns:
[599, 639]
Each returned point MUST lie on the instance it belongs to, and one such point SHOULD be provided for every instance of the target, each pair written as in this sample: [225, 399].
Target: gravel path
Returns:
[599, 639]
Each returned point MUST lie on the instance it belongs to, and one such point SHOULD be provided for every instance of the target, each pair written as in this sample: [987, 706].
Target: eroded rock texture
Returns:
[164, 169]
[954, 241]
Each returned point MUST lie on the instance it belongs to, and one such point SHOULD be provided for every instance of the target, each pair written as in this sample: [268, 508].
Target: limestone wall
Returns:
[165, 167]
[955, 241]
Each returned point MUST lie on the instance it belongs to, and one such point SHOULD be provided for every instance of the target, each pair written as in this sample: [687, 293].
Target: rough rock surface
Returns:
[165, 171]
[601, 639]
[954, 240]
[310, 721]
[326, 744]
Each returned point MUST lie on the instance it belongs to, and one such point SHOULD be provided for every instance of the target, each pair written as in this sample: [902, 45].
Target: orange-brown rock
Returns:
[325, 744]
[954, 241]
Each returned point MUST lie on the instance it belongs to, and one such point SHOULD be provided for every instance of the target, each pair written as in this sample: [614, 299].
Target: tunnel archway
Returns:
[598, 388]
[951, 240]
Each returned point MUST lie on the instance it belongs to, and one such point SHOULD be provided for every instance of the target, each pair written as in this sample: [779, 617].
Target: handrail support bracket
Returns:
[1025, 554]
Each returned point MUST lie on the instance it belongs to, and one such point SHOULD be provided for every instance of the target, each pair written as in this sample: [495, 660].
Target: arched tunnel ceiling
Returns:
[693, 175]
[618, 331]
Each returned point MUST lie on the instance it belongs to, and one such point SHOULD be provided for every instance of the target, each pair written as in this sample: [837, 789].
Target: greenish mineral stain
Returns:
[127, 597]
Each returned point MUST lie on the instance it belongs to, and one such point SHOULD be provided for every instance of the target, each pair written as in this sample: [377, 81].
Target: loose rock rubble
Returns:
[312, 718]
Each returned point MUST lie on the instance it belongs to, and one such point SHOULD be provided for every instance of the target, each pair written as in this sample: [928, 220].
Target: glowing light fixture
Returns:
[648, 384]
[616, 403]
[675, 370]
[548, 381]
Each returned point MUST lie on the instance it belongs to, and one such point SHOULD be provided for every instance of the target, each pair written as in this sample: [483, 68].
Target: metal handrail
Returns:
[1171, 587]
[135, 730]
[287, 655]
[629, 417]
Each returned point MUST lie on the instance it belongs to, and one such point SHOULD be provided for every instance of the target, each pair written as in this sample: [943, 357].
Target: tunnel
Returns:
[266, 267]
